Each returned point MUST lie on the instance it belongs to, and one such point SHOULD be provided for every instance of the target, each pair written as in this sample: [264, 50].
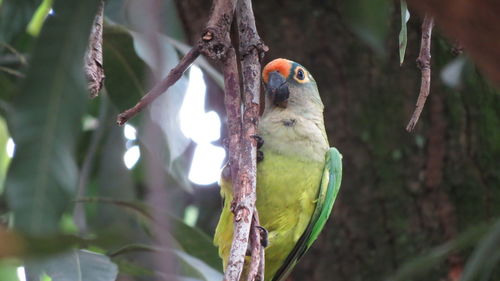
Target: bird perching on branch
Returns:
[298, 175]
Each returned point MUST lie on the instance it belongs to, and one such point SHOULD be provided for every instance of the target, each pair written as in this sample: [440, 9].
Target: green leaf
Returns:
[4, 158]
[197, 268]
[191, 266]
[125, 71]
[195, 242]
[485, 256]
[46, 120]
[80, 265]
[114, 180]
[15, 16]
[403, 34]
[192, 240]
[130, 268]
[8, 269]
[38, 19]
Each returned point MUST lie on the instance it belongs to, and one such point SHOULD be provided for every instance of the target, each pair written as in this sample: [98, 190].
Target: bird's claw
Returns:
[259, 139]
[260, 143]
[263, 236]
[260, 156]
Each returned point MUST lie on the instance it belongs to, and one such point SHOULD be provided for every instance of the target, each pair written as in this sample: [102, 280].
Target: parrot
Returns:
[298, 174]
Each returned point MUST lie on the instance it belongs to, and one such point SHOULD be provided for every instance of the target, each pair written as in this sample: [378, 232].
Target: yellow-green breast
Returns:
[286, 190]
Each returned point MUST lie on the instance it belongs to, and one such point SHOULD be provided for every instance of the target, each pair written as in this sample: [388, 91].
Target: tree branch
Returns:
[172, 77]
[250, 49]
[94, 70]
[424, 63]
[241, 208]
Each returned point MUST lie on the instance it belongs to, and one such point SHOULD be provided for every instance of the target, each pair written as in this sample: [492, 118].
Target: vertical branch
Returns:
[424, 63]
[250, 49]
[216, 44]
[94, 70]
[242, 205]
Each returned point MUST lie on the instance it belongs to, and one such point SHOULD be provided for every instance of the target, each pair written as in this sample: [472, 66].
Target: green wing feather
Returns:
[329, 188]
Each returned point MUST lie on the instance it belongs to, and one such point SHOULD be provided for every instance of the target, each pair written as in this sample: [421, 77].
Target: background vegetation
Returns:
[413, 206]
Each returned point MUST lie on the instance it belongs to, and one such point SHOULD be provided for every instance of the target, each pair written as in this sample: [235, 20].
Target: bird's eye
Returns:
[300, 74]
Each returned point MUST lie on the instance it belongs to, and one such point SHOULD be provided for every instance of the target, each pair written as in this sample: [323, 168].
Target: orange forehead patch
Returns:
[283, 66]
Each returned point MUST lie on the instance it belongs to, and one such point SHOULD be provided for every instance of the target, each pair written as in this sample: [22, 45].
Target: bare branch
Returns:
[172, 77]
[94, 70]
[242, 206]
[251, 48]
[215, 40]
[424, 63]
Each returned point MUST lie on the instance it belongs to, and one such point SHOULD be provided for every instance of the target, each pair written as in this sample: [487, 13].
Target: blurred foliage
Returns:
[43, 173]
[66, 146]
[69, 152]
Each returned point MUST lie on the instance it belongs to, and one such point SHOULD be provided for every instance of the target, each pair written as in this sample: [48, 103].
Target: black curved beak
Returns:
[277, 88]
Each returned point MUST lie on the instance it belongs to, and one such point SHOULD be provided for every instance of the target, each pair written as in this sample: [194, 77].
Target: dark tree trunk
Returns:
[402, 193]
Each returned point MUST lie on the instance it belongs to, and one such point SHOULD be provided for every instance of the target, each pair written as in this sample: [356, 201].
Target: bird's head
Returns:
[289, 84]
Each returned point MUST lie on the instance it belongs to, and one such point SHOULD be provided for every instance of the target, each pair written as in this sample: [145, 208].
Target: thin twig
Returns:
[12, 72]
[21, 58]
[172, 77]
[424, 63]
[94, 70]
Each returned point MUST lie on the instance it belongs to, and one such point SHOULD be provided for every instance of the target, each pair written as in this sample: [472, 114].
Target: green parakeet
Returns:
[299, 176]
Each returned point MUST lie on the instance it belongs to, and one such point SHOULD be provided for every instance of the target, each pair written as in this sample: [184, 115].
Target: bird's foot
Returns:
[263, 236]
[260, 156]
[259, 139]
[260, 143]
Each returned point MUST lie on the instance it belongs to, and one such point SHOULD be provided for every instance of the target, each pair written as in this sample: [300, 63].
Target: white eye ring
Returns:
[300, 74]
